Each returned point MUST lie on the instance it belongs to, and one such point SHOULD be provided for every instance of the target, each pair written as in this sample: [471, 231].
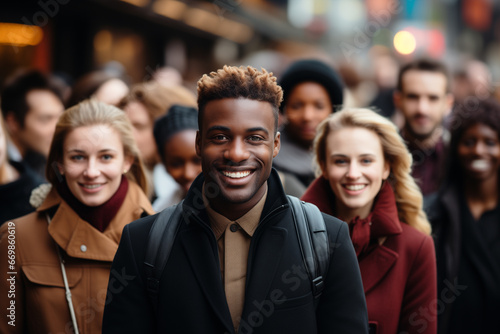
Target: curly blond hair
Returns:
[409, 199]
[239, 82]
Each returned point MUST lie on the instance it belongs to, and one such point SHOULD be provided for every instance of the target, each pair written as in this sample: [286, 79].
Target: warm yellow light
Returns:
[404, 42]
[20, 34]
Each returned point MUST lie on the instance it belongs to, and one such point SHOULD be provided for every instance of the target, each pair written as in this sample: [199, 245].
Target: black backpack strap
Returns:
[313, 241]
[160, 241]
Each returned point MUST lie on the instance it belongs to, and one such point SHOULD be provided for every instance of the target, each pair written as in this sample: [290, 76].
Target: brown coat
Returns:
[37, 300]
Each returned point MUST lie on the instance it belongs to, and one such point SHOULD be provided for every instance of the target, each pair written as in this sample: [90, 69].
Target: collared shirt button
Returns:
[83, 248]
[233, 227]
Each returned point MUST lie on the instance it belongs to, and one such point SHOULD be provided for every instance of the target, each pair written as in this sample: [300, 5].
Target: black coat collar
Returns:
[276, 197]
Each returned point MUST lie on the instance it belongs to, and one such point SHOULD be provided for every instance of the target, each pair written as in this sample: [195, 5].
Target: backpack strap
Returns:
[313, 241]
[160, 241]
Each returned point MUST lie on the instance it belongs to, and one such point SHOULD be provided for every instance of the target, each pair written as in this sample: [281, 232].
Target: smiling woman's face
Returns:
[355, 168]
[93, 163]
[479, 153]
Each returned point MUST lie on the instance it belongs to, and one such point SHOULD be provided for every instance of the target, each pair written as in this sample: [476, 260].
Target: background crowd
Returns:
[408, 154]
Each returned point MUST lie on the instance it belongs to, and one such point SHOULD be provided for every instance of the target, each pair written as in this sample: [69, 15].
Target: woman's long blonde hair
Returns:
[88, 113]
[409, 199]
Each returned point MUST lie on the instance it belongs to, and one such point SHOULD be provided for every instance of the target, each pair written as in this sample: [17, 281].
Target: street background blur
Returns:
[365, 40]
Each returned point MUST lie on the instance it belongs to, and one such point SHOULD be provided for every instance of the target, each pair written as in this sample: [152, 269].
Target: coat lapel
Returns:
[376, 265]
[206, 269]
[266, 253]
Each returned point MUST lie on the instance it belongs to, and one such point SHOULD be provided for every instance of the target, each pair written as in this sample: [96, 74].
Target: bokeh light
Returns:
[405, 42]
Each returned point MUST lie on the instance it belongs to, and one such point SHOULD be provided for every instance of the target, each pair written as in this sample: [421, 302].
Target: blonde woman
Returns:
[57, 260]
[364, 179]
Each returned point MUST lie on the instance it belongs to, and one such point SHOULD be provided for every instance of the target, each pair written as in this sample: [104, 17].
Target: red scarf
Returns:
[97, 216]
[382, 221]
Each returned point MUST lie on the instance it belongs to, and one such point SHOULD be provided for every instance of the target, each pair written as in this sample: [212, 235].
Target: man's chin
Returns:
[421, 134]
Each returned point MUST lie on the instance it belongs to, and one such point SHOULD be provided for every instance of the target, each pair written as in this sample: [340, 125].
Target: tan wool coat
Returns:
[31, 283]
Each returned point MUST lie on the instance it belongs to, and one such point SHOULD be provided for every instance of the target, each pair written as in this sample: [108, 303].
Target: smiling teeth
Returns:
[480, 164]
[236, 175]
[355, 187]
[91, 186]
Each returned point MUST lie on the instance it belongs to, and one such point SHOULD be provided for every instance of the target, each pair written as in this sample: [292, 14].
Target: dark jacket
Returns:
[278, 295]
[15, 195]
[462, 252]
[399, 275]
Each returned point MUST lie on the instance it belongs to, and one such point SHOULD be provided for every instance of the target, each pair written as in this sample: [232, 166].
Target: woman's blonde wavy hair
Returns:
[409, 199]
[88, 113]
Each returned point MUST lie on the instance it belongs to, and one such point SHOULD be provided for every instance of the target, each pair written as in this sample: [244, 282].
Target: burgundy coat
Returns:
[399, 276]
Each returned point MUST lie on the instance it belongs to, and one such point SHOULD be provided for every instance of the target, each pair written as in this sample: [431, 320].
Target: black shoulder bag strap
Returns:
[313, 242]
[160, 241]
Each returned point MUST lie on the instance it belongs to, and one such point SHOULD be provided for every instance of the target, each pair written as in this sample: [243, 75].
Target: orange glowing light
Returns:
[20, 34]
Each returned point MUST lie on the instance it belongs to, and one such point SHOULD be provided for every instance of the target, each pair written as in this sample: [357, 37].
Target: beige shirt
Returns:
[233, 241]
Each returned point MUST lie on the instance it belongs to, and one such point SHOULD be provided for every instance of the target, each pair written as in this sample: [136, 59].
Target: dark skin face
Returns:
[181, 160]
[479, 153]
[237, 144]
[307, 106]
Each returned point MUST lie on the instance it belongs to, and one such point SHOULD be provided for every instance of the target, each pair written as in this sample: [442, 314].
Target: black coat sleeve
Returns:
[342, 307]
[128, 309]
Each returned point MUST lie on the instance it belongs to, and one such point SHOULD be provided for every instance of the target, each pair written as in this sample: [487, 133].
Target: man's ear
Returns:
[198, 143]
[277, 144]
[11, 122]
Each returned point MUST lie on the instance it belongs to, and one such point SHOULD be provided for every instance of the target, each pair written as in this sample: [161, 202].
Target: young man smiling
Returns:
[235, 265]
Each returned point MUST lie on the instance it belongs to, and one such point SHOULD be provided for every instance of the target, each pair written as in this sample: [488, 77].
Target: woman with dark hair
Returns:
[60, 256]
[175, 136]
[312, 90]
[465, 216]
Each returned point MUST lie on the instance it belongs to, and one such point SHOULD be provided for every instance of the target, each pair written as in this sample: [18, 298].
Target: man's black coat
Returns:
[278, 294]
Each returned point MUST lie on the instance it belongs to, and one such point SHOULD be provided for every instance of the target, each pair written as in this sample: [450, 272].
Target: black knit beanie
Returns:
[177, 119]
[315, 71]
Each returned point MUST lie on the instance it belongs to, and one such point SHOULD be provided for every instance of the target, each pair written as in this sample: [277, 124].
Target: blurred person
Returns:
[31, 105]
[311, 92]
[105, 86]
[168, 76]
[386, 68]
[175, 135]
[16, 183]
[236, 237]
[358, 91]
[96, 187]
[364, 179]
[144, 104]
[472, 80]
[423, 97]
[464, 214]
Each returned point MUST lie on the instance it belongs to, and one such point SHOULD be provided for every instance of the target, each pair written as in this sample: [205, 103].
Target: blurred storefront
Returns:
[72, 37]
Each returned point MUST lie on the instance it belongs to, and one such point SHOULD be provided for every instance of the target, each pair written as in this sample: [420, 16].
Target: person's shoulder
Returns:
[410, 232]
[26, 222]
[333, 224]
[414, 240]
[142, 225]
